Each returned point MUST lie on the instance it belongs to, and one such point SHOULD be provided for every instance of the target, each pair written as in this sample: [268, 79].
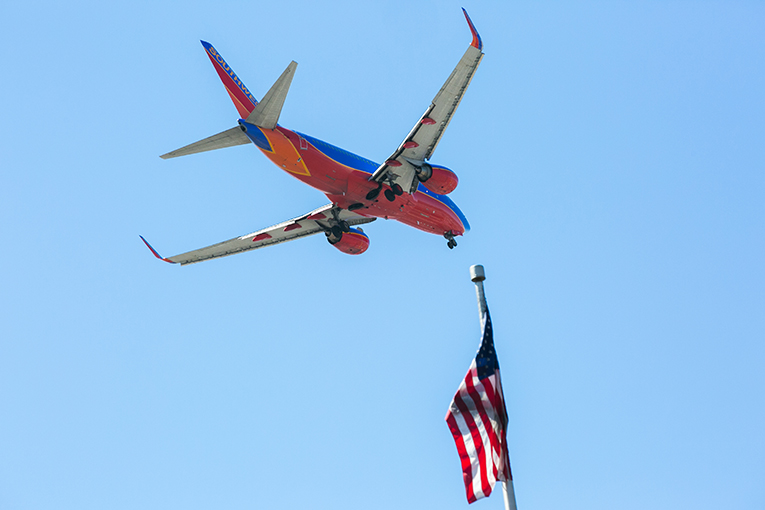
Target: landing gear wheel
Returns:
[337, 232]
[390, 195]
[397, 189]
[450, 242]
[373, 193]
[344, 226]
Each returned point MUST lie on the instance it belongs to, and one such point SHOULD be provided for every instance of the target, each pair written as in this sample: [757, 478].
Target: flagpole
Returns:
[509, 492]
[478, 275]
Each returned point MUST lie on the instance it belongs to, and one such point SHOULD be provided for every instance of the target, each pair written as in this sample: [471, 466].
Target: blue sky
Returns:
[611, 164]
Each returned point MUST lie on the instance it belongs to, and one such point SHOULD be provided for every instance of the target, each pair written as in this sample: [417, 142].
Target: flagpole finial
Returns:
[477, 274]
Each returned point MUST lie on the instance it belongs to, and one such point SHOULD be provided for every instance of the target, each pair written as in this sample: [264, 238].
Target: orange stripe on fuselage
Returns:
[284, 154]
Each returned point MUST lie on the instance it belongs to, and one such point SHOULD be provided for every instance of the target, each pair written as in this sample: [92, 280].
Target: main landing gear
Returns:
[340, 228]
[450, 242]
[373, 193]
[395, 191]
[336, 228]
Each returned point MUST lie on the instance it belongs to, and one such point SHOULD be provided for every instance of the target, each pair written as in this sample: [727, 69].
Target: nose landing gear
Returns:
[450, 242]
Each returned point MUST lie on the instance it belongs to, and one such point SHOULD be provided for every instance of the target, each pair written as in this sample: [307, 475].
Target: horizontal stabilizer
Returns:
[228, 138]
[267, 111]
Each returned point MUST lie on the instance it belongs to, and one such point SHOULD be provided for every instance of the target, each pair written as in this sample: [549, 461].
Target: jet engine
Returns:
[437, 179]
[353, 242]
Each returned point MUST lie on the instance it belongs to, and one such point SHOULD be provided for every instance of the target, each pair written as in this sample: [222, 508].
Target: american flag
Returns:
[478, 420]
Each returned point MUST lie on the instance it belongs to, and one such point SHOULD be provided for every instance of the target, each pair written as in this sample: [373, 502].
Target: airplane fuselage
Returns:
[344, 178]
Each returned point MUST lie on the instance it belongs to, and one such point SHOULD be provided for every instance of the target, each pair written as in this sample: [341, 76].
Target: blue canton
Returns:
[486, 360]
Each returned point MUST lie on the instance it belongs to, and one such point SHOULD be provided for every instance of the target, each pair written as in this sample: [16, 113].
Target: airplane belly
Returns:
[430, 215]
[419, 211]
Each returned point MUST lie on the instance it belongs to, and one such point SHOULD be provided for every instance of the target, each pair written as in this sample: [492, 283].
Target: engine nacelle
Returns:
[437, 179]
[353, 242]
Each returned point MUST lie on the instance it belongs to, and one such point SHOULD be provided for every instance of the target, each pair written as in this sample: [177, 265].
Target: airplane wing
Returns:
[319, 220]
[402, 166]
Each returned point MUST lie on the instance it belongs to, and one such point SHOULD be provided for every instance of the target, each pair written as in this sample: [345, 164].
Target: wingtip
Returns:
[156, 254]
[477, 42]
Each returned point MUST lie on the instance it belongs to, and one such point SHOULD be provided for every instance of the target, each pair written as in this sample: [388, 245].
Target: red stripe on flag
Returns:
[499, 404]
[488, 458]
[496, 442]
[487, 421]
[480, 448]
[467, 471]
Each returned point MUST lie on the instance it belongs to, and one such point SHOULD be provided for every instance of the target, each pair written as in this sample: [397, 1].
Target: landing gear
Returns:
[336, 228]
[395, 191]
[335, 232]
[374, 193]
[450, 241]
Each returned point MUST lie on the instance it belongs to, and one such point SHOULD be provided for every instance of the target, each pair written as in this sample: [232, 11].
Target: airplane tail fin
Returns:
[244, 101]
[264, 114]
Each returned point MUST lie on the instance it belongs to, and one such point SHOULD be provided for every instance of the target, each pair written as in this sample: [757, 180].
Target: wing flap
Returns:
[427, 134]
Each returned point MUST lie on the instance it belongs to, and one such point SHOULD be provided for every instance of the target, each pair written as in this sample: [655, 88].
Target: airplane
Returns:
[405, 187]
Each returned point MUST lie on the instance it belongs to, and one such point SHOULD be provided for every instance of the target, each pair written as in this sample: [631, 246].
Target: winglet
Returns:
[243, 100]
[155, 251]
[477, 43]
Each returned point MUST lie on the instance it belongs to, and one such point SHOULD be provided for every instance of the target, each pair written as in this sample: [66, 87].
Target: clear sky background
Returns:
[612, 165]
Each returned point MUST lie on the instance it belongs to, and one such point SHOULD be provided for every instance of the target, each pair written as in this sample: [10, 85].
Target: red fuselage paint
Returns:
[347, 186]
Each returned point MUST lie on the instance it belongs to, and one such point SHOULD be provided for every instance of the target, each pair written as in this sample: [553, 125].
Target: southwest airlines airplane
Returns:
[404, 187]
